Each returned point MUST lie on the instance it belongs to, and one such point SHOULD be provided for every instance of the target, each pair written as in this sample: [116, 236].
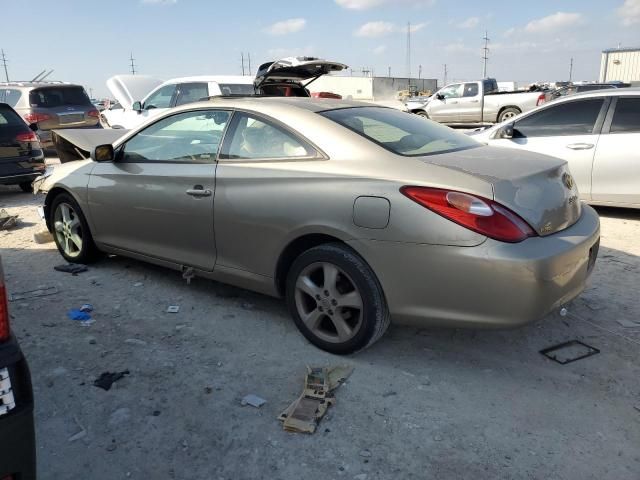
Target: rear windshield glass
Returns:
[56, 96]
[9, 117]
[400, 132]
[236, 89]
[9, 96]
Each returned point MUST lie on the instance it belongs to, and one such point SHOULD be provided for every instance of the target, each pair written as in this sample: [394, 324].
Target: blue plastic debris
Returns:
[78, 315]
[87, 307]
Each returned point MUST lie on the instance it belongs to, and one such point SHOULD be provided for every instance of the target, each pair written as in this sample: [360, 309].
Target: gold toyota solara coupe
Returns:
[358, 215]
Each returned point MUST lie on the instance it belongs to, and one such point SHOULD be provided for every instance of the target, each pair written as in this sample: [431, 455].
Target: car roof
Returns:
[265, 102]
[606, 92]
[212, 78]
[31, 85]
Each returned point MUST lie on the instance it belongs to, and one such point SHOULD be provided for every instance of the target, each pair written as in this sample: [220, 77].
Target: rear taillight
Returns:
[27, 137]
[481, 215]
[4, 314]
[36, 117]
[94, 113]
[541, 99]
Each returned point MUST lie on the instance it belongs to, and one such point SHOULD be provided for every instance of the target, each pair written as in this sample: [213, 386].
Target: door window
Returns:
[190, 137]
[255, 138]
[470, 90]
[570, 118]
[161, 98]
[10, 96]
[627, 116]
[452, 91]
[192, 92]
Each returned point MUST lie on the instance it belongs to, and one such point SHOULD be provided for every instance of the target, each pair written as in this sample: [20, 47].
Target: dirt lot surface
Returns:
[430, 403]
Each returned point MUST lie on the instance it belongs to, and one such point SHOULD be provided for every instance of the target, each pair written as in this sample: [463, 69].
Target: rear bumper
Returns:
[494, 284]
[17, 434]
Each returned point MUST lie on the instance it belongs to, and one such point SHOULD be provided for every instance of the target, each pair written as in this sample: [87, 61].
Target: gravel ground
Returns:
[430, 403]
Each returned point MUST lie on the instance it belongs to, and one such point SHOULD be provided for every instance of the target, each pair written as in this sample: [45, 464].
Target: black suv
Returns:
[21, 156]
[51, 105]
[17, 436]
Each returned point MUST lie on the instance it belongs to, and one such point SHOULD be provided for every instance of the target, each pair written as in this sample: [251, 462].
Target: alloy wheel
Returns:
[68, 229]
[328, 302]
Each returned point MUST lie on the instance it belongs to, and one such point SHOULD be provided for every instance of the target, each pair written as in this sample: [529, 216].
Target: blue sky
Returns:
[87, 41]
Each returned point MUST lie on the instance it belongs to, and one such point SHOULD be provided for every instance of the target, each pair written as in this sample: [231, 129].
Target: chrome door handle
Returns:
[199, 192]
[453, 102]
[474, 101]
[580, 146]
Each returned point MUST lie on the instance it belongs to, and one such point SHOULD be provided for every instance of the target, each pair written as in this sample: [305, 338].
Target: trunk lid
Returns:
[295, 70]
[128, 89]
[538, 188]
[62, 106]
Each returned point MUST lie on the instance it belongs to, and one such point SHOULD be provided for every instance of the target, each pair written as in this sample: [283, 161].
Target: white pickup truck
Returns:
[475, 103]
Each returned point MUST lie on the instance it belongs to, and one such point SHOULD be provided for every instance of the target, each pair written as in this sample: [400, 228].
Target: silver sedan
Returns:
[358, 215]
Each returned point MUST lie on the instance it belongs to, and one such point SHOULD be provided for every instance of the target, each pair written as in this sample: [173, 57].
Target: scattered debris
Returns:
[173, 308]
[80, 315]
[43, 236]
[73, 268]
[135, 341]
[80, 434]
[568, 352]
[188, 274]
[121, 415]
[41, 291]
[7, 221]
[304, 414]
[365, 453]
[253, 400]
[87, 307]
[106, 379]
[138, 284]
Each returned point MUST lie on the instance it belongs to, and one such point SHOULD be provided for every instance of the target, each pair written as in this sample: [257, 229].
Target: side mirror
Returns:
[33, 127]
[137, 106]
[506, 131]
[439, 96]
[103, 153]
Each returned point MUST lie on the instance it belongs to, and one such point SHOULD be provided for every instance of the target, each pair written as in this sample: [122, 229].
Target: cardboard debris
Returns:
[304, 414]
[7, 221]
[253, 400]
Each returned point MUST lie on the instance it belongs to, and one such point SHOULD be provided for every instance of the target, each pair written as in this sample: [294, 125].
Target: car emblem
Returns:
[568, 181]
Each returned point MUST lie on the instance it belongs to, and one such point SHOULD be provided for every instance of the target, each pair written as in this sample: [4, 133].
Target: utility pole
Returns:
[389, 72]
[419, 71]
[242, 60]
[90, 92]
[249, 57]
[571, 69]
[485, 54]
[409, 48]
[444, 80]
[133, 65]
[4, 63]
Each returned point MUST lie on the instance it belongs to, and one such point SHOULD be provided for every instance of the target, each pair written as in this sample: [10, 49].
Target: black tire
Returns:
[374, 318]
[26, 187]
[507, 113]
[88, 252]
[422, 113]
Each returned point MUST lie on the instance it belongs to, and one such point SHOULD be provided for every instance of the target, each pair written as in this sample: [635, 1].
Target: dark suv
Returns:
[51, 105]
[17, 436]
[21, 156]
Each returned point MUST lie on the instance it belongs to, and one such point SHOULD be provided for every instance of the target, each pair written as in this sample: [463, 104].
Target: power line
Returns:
[133, 65]
[485, 54]
[4, 63]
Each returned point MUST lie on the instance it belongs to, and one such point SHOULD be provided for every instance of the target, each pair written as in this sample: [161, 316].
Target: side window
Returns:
[190, 137]
[627, 116]
[191, 92]
[10, 96]
[254, 138]
[452, 91]
[160, 98]
[470, 90]
[570, 118]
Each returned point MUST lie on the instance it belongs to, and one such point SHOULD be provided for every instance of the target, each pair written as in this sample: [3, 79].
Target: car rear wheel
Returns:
[508, 113]
[336, 300]
[26, 187]
[71, 231]
[422, 113]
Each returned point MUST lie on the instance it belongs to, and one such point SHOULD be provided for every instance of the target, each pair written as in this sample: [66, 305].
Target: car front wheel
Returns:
[71, 231]
[336, 300]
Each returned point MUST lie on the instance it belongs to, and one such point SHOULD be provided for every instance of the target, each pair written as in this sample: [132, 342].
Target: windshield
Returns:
[57, 96]
[236, 89]
[400, 132]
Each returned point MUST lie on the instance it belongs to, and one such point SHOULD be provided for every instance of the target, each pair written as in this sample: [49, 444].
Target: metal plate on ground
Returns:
[568, 352]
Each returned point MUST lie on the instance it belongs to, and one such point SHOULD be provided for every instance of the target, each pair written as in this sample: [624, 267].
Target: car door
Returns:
[567, 130]
[156, 103]
[470, 104]
[445, 109]
[616, 167]
[258, 159]
[156, 198]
